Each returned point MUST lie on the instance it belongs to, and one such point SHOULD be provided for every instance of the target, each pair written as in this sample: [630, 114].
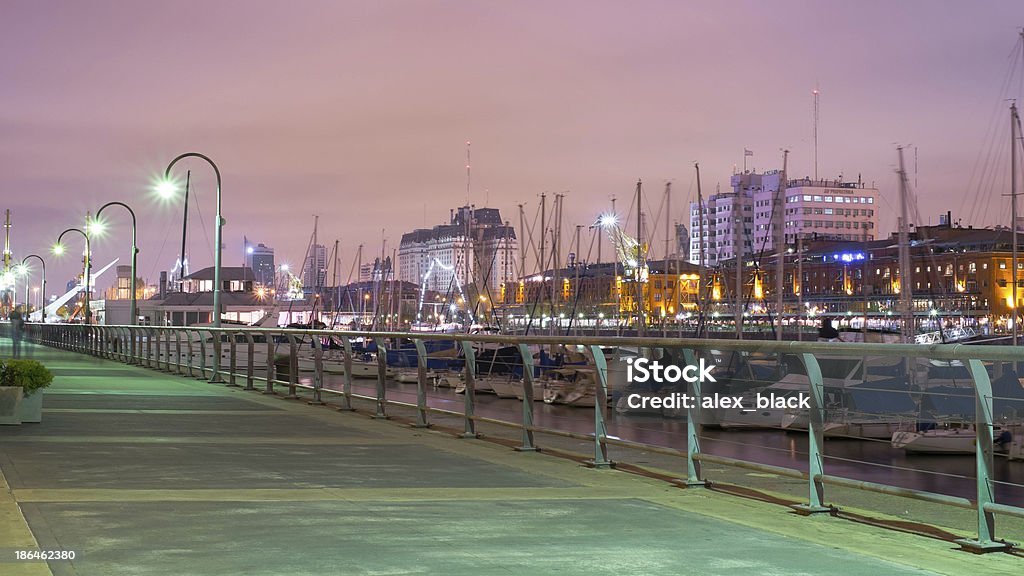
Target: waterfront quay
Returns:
[142, 471]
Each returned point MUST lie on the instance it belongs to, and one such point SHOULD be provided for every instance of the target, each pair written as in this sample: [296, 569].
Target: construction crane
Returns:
[632, 255]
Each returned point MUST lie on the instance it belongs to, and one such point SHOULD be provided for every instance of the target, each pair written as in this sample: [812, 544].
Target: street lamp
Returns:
[24, 266]
[58, 249]
[134, 310]
[217, 254]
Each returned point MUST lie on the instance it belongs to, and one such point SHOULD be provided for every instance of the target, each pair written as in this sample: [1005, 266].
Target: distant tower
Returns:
[260, 259]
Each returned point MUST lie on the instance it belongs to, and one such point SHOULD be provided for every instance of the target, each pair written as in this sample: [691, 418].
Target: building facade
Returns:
[260, 259]
[314, 270]
[474, 247]
[740, 221]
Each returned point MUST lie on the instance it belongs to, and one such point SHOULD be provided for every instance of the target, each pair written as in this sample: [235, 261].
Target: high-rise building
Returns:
[314, 271]
[260, 259]
[740, 221]
[476, 246]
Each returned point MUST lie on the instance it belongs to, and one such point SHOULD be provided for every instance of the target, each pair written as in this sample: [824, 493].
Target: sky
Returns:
[359, 112]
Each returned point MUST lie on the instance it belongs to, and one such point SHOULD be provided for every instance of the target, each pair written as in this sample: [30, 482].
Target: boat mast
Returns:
[1014, 123]
[778, 211]
[640, 324]
[737, 218]
[335, 299]
[522, 250]
[700, 253]
[906, 298]
[359, 279]
[664, 302]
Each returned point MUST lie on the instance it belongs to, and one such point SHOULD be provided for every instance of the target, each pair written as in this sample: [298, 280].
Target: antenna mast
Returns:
[815, 133]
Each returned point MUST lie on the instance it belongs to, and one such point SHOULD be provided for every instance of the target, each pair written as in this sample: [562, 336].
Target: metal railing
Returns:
[184, 351]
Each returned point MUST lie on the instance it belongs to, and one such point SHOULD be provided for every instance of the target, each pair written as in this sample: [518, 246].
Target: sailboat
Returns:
[960, 437]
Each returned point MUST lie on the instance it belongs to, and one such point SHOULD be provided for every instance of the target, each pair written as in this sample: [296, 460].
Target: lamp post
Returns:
[133, 307]
[59, 249]
[24, 264]
[217, 254]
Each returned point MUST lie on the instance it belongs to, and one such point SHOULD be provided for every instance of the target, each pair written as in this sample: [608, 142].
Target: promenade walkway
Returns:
[145, 473]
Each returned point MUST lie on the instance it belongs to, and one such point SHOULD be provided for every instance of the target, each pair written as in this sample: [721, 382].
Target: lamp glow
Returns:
[166, 189]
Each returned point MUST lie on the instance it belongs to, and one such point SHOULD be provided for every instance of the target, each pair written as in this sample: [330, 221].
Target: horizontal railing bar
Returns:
[1005, 509]
[897, 491]
[934, 351]
[787, 472]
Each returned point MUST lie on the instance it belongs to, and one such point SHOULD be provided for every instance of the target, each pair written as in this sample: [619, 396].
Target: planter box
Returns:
[31, 409]
[10, 402]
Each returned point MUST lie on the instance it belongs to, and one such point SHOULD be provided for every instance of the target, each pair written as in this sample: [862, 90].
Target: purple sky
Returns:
[359, 111]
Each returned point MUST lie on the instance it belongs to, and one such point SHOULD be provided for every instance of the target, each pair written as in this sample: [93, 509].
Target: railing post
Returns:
[177, 352]
[202, 355]
[250, 354]
[293, 367]
[233, 360]
[165, 340]
[470, 399]
[528, 441]
[269, 389]
[693, 425]
[600, 408]
[218, 348]
[346, 388]
[983, 455]
[126, 342]
[815, 438]
[132, 346]
[150, 336]
[167, 348]
[118, 344]
[318, 370]
[382, 373]
[421, 385]
[191, 353]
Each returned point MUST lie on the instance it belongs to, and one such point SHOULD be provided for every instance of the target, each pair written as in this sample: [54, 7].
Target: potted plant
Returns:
[31, 377]
[10, 404]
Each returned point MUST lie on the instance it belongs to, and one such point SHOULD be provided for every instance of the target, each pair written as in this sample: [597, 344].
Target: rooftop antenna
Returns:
[815, 92]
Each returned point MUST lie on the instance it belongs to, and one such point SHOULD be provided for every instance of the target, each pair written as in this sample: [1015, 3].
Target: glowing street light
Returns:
[25, 270]
[218, 235]
[166, 189]
[87, 265]
[98, 227]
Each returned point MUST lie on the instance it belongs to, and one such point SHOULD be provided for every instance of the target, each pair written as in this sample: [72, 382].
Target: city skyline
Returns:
[360, 113]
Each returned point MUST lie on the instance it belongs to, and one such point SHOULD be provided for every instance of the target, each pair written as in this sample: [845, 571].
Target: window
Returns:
[828, 198]
[828, 211]
[817, 198]
[1002, 265]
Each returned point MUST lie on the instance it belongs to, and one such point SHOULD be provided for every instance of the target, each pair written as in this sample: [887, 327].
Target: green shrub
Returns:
[30, 375]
